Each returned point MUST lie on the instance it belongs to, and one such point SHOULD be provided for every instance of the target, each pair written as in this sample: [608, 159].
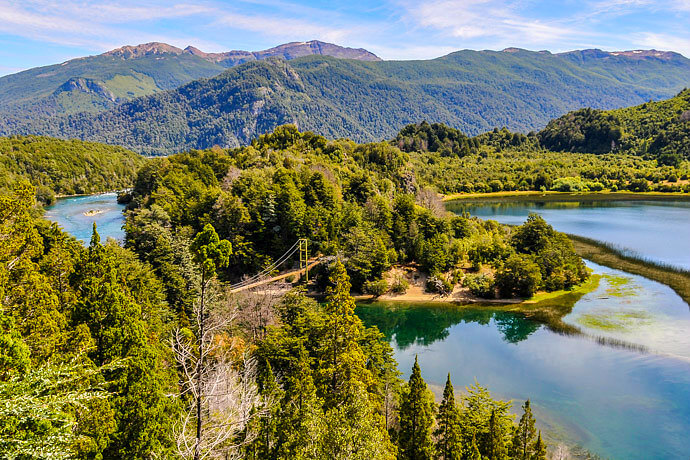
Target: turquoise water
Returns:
[69, 213]
[658, 230]
[614, 400]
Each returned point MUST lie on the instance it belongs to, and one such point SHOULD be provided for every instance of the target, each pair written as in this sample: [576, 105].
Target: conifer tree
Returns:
[539, 449]
[474, 450]
[416, 419]
[496, 448]
[342, 361]
[449, 443]
[524, 437]
[115, 322]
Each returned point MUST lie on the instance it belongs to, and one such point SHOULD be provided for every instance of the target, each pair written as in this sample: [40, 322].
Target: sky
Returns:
[43, 32]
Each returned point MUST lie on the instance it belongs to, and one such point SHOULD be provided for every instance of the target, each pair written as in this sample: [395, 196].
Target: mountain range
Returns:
[159, 99]
[95, 83]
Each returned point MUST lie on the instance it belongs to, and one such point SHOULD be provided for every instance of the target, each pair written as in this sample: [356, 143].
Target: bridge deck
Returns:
[282, 276]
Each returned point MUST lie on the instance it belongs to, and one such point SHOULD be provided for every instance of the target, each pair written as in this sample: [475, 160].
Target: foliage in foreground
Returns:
[93, 365]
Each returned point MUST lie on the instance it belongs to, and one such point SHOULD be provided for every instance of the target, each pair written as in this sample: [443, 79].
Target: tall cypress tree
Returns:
[449, 444]
[342, 363]
[416, 419]
[525, 434]
[474, 450]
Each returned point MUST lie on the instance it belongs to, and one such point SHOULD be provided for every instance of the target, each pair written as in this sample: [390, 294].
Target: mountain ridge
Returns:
[368, 100]
[135, 70]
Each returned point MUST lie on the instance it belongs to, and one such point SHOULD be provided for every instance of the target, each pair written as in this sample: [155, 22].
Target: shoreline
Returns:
[607, 255]
[77, 195]
[565, 196]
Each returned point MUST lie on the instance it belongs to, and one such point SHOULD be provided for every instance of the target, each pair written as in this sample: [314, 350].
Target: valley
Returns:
[311, 252]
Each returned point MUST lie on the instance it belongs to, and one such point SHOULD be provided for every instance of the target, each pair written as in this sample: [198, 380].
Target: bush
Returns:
[480, 285]
[376, 287]
[519, 276]
[639, 185]
[400, 285]
[569, 184]
[439, 285]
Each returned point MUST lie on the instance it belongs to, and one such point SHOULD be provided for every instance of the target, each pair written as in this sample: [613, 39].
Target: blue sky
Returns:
[42, 32]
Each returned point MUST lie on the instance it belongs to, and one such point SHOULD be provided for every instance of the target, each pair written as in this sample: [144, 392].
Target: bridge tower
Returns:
[304, 257]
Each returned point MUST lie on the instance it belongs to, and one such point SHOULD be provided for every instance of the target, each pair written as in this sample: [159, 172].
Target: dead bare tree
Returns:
[430, 199]
[219, 381]
[257, 307]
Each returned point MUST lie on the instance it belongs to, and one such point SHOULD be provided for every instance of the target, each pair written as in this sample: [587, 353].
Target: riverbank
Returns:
[564, 196]
[548, 308]
[605, 254]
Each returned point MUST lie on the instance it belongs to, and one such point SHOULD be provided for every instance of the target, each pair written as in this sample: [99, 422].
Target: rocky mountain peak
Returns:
[145, 49]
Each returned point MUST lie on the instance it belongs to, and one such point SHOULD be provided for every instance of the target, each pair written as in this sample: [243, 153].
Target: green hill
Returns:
[59, 167]
[473, 91]
[96, 83]
[659, 130]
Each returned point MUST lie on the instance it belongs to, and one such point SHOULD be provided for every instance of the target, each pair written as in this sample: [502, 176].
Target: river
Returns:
[620, 390]
[617, 401]
[76, 216]
[655, 229]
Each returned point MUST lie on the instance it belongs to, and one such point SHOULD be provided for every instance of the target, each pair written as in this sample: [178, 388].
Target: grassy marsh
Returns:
[608, 255]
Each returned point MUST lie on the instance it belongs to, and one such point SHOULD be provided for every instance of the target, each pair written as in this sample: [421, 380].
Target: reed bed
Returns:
[612, 256]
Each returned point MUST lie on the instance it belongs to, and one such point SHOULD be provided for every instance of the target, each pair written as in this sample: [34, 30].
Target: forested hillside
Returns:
[96, 83]
[473, 91]
[141, 351]
[65, 167]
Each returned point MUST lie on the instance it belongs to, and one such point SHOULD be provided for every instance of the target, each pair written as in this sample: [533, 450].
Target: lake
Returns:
[628, 401]
[71, 214]
[615, 401]
[655, 229]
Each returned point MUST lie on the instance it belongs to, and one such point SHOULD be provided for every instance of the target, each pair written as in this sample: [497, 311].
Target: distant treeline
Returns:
[65, 167]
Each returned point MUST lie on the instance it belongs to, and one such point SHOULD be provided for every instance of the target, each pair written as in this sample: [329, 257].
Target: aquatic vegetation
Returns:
[609, 255]
[620, 286]
[614, 321]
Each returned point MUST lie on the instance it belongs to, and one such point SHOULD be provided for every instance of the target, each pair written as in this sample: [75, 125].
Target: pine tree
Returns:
[449, 444]
[416, 419]
[474, 450]
[341, 359]
[525, 433]
[539, 449]
[496, 448]
[114, 317]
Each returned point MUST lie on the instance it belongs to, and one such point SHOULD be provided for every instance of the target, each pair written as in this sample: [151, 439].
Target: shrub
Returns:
[520, 276]
[439, 285]
[376, 287]
[481, 285]
[400, 285]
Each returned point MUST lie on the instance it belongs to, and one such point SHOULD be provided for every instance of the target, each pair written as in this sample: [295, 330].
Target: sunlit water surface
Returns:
[71, 215]
[615, 400]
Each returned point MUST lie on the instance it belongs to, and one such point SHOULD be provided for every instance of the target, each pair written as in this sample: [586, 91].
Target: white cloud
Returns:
[499, 21]
[663, 42]
[284, 28]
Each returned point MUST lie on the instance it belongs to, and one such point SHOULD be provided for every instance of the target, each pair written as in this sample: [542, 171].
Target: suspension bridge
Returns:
[264, 276]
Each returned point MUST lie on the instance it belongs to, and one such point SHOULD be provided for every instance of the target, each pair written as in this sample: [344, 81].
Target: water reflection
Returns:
[421, 324]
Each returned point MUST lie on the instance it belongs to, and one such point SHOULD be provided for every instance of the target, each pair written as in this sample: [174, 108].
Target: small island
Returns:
[93, 212]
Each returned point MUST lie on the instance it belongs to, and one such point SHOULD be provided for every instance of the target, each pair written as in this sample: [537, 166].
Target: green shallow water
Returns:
[603, 395]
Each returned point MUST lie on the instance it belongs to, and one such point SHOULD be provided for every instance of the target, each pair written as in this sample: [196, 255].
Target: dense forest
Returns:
[60, 167]
[140, 351]
[639, 149]
[358, 202]
[473, 91]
